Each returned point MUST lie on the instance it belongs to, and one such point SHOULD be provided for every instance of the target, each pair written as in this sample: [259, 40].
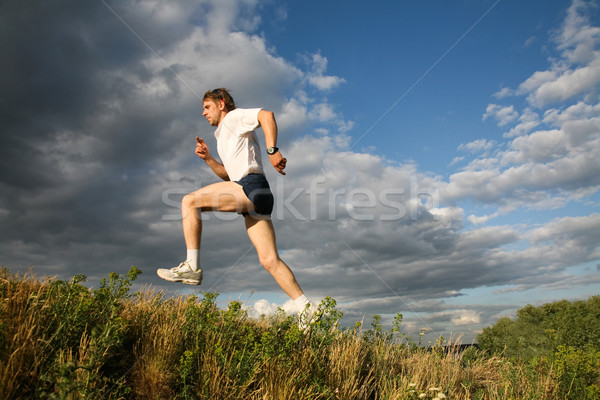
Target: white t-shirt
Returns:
[237, 143]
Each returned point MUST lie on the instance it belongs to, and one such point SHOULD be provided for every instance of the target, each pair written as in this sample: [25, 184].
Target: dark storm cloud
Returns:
[100, 108]
[78, 139]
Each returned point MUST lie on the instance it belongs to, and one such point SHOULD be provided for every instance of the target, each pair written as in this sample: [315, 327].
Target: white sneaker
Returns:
[182, 273]
[307, 317]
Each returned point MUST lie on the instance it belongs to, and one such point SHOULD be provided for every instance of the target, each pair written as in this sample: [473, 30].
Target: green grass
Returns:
[60, 340]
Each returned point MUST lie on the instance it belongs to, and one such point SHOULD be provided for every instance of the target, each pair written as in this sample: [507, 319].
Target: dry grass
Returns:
[151, 347]
[158, 325]
[21, 329]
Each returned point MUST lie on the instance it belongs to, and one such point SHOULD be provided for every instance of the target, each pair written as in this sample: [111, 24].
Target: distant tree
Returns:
[579, 324]
[494, 338]
[538, 331]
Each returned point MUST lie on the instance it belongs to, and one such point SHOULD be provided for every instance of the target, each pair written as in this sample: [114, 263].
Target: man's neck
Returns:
[223, 114]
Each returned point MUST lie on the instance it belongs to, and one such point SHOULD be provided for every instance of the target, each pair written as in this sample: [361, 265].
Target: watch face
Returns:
[272, 150]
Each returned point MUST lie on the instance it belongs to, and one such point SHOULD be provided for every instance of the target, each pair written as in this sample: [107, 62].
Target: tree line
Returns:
[539, 331]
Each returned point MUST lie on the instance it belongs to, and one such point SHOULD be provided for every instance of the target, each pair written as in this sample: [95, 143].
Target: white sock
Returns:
[301, 302]
[192, 257]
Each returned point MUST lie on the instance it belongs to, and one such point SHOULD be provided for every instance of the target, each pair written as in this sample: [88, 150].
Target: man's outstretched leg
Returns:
[223, 196]
[262, 235]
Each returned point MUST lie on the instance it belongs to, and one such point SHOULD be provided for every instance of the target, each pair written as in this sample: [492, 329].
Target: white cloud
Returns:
[504, 115]
[268, 308]
[344, 126]
[251, 71]
[317, 78]
[478, 145]
[456, 160]
[504, 92]
[488, 237]
[324, 82]
[326, 114]
[563, 85]
[577, 71]
[582, 229]
[527, 122]
[539, 147]
[578, 38]
[529, 41]
[293, 115]
[323, 112]
[466, 317]
[478, 220]
[548, 161]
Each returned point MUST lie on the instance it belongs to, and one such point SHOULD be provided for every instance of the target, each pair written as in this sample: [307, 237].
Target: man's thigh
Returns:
[262, 235]
[221, 196]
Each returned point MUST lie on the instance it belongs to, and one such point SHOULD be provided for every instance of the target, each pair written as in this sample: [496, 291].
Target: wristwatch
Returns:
[272, 150]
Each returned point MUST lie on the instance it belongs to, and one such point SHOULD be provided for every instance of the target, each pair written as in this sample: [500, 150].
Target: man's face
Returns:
[211, 112]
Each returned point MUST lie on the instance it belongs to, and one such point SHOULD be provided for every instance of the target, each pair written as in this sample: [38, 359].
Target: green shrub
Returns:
[538, 331]
[577, 372]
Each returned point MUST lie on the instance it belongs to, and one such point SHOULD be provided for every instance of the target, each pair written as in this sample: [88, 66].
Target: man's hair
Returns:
[220, 94]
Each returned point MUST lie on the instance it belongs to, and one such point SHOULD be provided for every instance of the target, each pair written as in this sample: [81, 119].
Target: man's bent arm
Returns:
[269, 127]
[217, 168]
[203, 152]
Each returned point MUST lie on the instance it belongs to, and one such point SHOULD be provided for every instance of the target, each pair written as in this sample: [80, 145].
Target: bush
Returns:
[59, 339]
[577, 372]
[539, 331]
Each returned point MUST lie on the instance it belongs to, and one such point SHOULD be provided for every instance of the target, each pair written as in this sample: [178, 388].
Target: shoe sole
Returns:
[183, 280]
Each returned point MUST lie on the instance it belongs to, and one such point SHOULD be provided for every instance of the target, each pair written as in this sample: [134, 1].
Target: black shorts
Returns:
[257, 189]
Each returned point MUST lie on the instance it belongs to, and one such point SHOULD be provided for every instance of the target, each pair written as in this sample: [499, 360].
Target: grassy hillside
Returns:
[60, 340]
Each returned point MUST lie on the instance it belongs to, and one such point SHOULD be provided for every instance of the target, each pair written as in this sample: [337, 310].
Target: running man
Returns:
[245, 190]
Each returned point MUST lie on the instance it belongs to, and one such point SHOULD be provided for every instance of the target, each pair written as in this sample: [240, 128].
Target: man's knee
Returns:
[190, 205]
[188, 201]
[269, 261]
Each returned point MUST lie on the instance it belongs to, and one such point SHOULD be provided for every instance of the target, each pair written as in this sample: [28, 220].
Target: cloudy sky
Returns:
[443, 157]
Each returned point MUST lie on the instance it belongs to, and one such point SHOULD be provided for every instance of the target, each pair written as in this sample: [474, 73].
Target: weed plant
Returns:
[61, 340]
